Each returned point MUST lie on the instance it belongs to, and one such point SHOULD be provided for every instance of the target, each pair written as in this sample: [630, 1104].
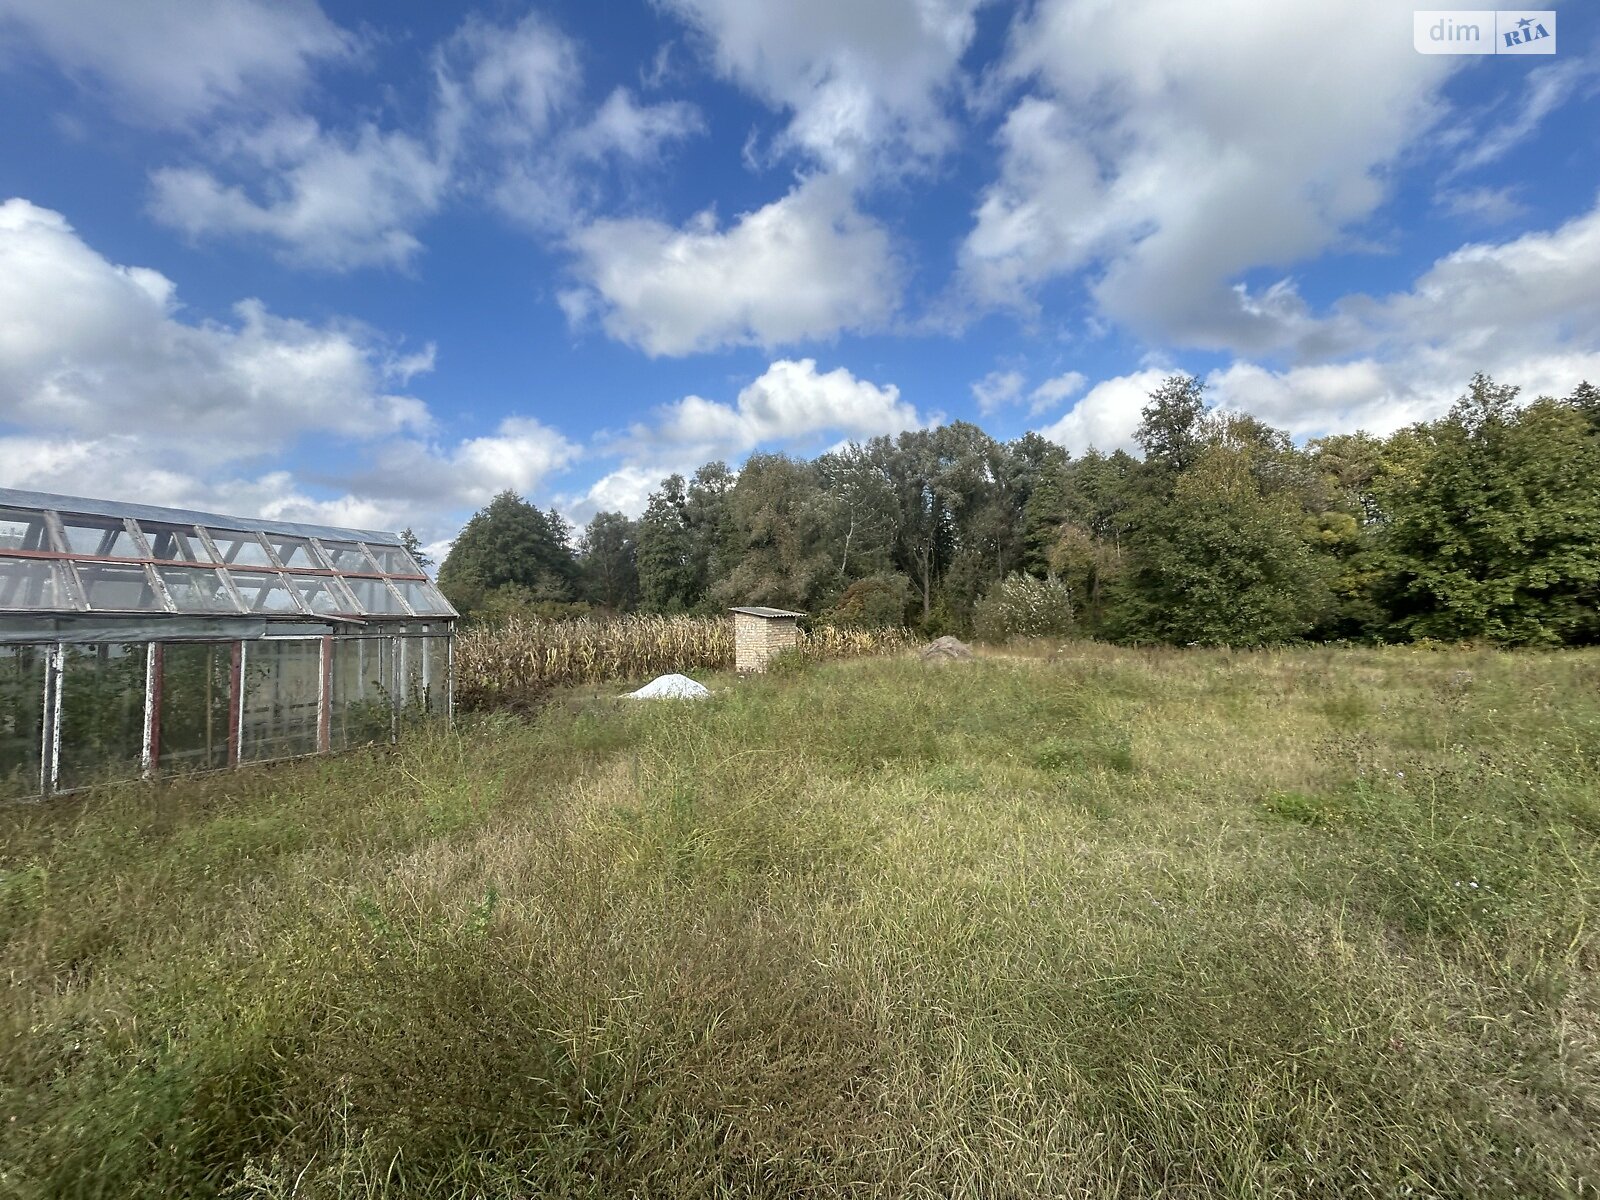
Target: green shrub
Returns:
[1022, 606]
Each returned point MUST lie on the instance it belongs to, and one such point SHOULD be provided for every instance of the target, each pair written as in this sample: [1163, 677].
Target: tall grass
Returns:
[509, 664]
[1096, 922]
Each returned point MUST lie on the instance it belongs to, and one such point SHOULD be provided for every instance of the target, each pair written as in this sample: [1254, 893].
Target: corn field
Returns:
[511, 664]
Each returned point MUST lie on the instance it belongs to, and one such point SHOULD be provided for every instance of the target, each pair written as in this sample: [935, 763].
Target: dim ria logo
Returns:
[1484, 31]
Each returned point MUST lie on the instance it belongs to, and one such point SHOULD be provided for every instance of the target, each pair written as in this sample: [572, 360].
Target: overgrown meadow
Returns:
[1074, 921]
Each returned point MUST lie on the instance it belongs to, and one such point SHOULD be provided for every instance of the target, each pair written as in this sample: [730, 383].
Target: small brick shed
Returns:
[759, 633]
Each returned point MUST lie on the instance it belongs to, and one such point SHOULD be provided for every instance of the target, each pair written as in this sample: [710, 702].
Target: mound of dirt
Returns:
[946, 649]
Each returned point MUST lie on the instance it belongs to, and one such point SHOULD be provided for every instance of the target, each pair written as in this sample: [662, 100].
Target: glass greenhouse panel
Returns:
[197, 590]
[393, 560]
[348, 556]
[240, 549]
[102, 713]
[322, 594]
[118, 587]
[21, 530]
[296, 552]
[423, 598]
[195, 680]
[374, 598]
[31, 583]
[264, 592]
[174, 543]
[363, 700]
[425, 675]
[281, 702]
[22, 674]
[103, 537]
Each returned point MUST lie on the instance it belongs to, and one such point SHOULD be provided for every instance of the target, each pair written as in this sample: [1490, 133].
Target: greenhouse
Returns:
[138, 640]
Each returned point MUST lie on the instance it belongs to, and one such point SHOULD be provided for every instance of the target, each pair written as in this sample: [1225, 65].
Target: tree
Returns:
[861, 515]
[413, 546]
[1493, 522]
[1217, 545]
[707, 515]
[1172, 431]
[1346, 524]
[667, 574]
[1047, 505]
[609, 562]
[1586, 399]
[1224, 562]
[941, 478]
[509, 541]
[779, 522]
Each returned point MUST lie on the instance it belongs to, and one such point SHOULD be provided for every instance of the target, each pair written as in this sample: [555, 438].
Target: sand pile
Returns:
[670, 687]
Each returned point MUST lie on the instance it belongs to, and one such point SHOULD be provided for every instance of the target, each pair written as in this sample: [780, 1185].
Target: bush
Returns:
[513, 602]
[877, 602]
[1022, 606]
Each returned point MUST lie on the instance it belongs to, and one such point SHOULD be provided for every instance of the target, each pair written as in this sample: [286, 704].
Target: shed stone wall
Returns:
[757, 639]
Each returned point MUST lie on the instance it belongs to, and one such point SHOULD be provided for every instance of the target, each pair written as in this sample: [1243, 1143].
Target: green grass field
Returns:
[1092, 922]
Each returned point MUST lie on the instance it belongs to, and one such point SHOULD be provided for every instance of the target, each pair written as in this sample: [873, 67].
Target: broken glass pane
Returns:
[194, 705]
[22, 671]
[363, 703]
[102, 713]
[424, 677]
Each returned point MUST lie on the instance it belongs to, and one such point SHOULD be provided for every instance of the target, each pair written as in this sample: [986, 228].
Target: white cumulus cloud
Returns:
[325, 199]
[106, 388]
[171, 64]
[864, 83]
[1108, 415]
[1166, 147]
[997, 389]
[808, 265]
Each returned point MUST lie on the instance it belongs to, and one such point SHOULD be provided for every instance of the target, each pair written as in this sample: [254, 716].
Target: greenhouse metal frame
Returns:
[137, 641]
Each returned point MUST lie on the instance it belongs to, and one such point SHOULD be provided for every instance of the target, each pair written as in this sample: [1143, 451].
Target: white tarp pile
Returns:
[670, 687]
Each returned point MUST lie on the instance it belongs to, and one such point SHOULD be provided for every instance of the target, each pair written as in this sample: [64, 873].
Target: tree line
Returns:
[1482, 525]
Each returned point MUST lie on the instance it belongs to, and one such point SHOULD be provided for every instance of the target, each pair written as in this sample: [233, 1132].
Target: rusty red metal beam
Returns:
[61, 556]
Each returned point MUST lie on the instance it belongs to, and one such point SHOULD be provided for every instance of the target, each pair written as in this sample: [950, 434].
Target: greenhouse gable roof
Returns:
[70, 555]
[12, 498]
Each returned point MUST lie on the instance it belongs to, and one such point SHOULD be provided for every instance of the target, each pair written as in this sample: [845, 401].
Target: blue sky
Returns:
[371, 263]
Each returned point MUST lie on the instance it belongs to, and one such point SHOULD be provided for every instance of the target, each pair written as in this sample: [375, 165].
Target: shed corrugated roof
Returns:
[767, 612]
